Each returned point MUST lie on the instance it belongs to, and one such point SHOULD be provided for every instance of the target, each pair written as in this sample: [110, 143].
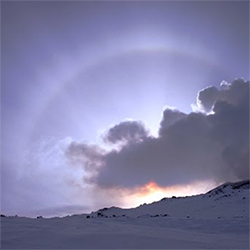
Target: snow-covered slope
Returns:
[218, 219]
[230, 200]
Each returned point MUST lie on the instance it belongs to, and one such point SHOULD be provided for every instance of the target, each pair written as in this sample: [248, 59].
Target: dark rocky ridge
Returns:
[228, 185]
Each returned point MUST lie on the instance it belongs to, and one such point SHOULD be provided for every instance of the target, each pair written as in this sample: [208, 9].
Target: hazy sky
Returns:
[73, 70]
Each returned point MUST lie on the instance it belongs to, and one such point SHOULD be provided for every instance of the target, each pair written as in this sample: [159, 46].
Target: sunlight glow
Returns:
[152, 192]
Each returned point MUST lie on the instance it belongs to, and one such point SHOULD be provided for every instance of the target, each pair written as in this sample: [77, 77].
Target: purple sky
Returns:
[71, 70]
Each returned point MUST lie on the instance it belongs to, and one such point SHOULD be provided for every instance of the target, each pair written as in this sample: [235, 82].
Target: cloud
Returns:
[190, 147]
[182, 154]
[126, 131]
[207, 97]
[232, 93]
[230, 129]
[88, 156]
[170, 117]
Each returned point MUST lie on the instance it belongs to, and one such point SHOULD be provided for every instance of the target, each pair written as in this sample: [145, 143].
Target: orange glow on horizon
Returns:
[153, 192]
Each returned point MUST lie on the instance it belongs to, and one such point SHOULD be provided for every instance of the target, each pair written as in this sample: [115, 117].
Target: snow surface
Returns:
[218, 219]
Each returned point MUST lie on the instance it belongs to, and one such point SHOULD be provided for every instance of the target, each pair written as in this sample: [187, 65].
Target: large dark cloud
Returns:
[168, 160]
[190, 147]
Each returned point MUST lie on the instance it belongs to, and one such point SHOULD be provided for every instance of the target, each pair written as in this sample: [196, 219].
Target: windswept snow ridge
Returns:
[229, 200]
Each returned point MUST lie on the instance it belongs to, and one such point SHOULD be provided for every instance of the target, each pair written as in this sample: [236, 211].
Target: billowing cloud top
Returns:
[210, 144]
[233, 93]
[126, 131]
[170, 117]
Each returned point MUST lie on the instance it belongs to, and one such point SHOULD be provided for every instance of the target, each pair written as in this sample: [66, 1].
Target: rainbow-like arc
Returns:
[83, 65]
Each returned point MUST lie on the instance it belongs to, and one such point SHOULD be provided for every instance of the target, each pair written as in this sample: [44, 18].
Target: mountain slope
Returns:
[229, 200]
